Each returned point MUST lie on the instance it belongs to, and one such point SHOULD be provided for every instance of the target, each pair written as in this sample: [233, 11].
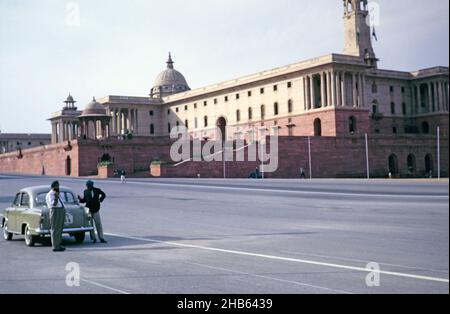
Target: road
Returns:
[240, 236]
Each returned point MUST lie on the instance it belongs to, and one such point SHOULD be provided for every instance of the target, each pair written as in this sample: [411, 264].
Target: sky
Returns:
[49, 48]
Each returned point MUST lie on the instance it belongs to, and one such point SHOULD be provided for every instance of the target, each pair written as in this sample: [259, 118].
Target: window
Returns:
[195, 106]
[226, 98]
[391, 89]
[205, 121]
[261, 91]
[263, 112]
[352, 125]
[290, 106]
[215, 101]
[275, 88]
[317, 127]
[249, 93]
[394, 130]
[392, 108]
[196, 123]
[152, 129]
[237, 96]
[403, 89]
[185, 108]
[250, 113]
[238, 115]
[275, 109]
[205, 103]
[168, 111]
[404, 111]
[425, 128]
[151, 113]
[177, 109]
[17, 200]
[29, 143]
[374, 88]
[178, 125]
[169, 127]
[186, 124]
[25, 202]
[289, 85]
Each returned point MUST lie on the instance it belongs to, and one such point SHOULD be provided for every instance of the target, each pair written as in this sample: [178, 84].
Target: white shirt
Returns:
[50, 199]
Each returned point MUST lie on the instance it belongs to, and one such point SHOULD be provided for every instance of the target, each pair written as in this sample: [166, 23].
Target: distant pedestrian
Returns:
[123, 179]
[93, 197]
[302, 173]
[57, 216]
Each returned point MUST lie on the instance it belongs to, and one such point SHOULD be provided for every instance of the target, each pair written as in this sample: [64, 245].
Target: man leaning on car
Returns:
[57, 216]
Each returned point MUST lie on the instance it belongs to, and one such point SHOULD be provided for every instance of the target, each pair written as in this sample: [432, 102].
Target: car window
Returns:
[69, 199]
[25, 202]
[66, 197]
[40, 199]
[17, 200]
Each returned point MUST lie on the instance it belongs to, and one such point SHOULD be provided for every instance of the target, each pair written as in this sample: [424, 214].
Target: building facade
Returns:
[10, 142]
[336, 97]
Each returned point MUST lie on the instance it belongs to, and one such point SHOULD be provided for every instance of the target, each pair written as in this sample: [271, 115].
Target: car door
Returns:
[12, 213]
[21, 211]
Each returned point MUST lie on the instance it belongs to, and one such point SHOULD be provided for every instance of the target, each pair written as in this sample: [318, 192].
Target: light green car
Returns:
[29, 216]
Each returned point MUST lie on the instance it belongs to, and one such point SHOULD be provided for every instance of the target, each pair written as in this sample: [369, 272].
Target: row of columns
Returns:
[436, 99]
[124, 119]
[333, 89]
[64, 131]
[95, 128]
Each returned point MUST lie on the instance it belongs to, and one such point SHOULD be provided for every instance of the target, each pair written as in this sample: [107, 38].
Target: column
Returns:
[360, 90]
[354, 91]
[333, 76]
[419, 100]
[308, 83]
[329, 83]
[136, 122]
[344, 89]
[322, 90]
[445, 90]
[313, 94]
[430, 97]
[119, 116]
[305, 104]
[363, 89]
[437, 96]
[53, 133]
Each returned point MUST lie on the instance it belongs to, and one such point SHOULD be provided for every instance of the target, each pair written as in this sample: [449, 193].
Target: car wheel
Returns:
[30, 240]
[79, 237]
[6, 235]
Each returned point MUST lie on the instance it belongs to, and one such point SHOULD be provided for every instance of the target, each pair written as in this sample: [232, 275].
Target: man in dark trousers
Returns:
[92, 198]
[57, 216]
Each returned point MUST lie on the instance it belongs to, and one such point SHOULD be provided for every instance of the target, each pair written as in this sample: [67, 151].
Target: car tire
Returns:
[79, 237]
[30, 240]
[8, 236]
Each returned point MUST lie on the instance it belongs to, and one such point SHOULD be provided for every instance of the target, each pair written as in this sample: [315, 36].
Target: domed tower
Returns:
[94, 121]
[358, 35]
[169, 82]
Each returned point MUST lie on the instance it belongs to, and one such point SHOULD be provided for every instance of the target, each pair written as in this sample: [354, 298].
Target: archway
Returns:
[393, 165]
[68, 166]
[411, 162]
[317, 127]
[425, 128]
[429, 164]
[222, 126]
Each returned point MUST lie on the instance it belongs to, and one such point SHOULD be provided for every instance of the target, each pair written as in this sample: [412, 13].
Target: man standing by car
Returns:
[57, 216]
[92, 198]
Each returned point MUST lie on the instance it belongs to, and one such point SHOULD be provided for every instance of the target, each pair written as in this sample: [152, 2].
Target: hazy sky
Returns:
[120, 46]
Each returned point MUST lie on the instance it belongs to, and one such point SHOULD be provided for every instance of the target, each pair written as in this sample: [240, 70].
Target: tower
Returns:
[357, 31]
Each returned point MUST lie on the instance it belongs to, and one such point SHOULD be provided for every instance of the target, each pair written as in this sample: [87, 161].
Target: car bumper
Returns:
[66, 230]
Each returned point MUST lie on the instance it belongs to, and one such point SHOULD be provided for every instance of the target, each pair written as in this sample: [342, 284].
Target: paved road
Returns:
[241, 236]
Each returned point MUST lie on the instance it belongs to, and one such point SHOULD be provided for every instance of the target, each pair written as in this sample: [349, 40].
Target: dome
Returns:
[69, 99]
[169, 82]
[94, 109]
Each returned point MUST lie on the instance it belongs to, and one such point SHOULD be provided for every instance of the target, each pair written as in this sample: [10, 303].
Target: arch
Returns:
[425, 127]
[317, 127]
[393, 165]
[411, 163]
[222, 126]
[68, 166]
[429, 164]
[105, 158]
[352, 125]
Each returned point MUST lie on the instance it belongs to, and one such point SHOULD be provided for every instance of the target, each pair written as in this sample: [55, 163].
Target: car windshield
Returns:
[66, 197]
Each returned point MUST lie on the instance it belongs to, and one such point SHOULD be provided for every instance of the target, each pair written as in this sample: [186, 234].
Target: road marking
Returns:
[272, 278]
[230, 188]
[287, 259]
[104, 286]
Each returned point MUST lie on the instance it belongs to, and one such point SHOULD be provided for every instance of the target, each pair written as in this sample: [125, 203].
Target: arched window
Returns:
[205, 121]
[429, 164]
[152, 129]
[393, 165]
[317, 127]
[411, 163]
[250, 113]
[404, 110]
[275, 108]
[393, 108]
[238, 115]
[290, 106]
[425, 128]
[352, 125]
[263, 112]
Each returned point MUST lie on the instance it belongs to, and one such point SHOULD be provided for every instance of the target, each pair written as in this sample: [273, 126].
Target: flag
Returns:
[374, 34]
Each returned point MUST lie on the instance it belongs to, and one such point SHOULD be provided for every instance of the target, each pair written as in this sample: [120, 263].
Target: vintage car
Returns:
[29, 216]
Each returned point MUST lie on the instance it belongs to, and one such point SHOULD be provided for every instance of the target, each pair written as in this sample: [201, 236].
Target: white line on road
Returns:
[230, 188]
[272, 278]
[287, 259]
[104, 286]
